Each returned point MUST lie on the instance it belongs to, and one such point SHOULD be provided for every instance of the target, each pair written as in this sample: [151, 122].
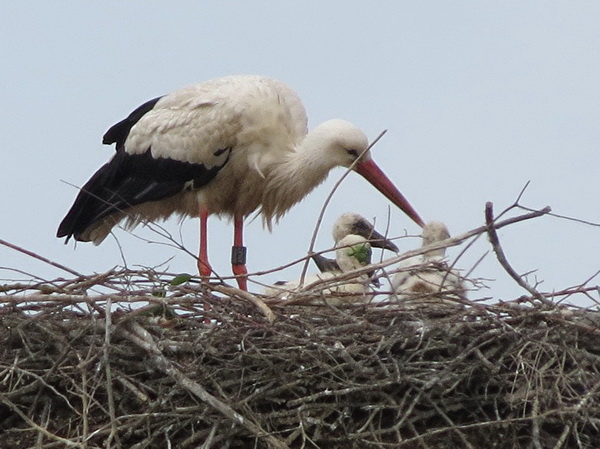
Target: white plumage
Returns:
[335, 287]
[230, 146]
[426, 281]
[353, 223]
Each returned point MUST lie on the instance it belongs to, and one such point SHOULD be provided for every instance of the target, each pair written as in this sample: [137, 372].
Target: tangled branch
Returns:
[144, 359]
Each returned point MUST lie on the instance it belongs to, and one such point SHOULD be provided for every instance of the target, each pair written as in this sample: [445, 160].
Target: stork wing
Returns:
[138, 174]
[325, 264]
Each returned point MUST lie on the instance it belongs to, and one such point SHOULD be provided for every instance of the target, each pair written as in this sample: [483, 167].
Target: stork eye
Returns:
[352, 153]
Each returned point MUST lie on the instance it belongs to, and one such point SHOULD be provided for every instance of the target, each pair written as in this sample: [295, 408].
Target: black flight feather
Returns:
[119, 131]
[131, 179]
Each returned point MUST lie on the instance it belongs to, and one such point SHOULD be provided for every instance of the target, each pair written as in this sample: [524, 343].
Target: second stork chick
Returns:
[426, 281]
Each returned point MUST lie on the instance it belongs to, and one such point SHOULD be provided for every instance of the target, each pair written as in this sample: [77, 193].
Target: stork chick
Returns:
[353, 223]
[353, 252]
[426, 281]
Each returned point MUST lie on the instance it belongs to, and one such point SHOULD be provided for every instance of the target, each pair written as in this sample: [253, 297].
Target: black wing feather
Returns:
[325, 264]
[131, 179]
[128, 180]
[118, 132]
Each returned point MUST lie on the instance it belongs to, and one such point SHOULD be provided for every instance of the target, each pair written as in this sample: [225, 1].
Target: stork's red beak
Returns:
[372, 173]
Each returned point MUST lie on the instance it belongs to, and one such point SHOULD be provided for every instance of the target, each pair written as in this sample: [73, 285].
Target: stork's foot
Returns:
[238, 265]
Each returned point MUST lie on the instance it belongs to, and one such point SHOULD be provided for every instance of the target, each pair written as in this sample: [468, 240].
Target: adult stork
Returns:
[229, 146]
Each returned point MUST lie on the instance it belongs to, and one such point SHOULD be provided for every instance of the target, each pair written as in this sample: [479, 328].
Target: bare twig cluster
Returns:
[147, 359]
[360, 376]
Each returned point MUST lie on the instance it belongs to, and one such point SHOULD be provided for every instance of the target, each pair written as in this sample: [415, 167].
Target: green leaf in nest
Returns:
[180, 279]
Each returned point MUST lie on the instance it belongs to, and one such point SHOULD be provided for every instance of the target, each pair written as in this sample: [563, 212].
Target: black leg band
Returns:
[238, 255]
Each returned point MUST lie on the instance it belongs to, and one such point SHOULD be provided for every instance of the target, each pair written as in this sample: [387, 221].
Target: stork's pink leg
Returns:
[238, 253]
[204, 267]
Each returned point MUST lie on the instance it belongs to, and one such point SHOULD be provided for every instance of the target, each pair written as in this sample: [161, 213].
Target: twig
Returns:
[495, 241]
[232, 291]
[12, 406]
[46, 419]
[109, 382]
[565, 217]
[38, 257]
[85, 402]
[447, 243]
[563, 437]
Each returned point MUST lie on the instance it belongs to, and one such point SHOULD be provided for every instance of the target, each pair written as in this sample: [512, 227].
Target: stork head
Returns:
[352, 223]
[342, 144]
[339, 141]
[433, 232]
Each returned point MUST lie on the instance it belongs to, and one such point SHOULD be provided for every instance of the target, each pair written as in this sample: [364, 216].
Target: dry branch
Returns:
[131, 359]
[494, 239]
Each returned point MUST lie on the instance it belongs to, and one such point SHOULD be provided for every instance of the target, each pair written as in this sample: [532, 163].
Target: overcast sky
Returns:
[478, 99]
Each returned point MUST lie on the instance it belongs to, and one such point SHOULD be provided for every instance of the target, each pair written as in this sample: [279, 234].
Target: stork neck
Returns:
[303, 169]
[310, 160]
[436, 254]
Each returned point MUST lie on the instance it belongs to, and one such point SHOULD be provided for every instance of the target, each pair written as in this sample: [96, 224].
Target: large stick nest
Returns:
[130, 360]
[172, 375]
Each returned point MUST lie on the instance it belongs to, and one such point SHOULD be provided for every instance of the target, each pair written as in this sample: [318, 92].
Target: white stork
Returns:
[426, 281]
[229, 146]
[353, 223]
[352, 252]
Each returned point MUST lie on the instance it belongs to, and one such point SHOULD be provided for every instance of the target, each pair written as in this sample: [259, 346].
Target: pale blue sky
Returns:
[478, 98]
